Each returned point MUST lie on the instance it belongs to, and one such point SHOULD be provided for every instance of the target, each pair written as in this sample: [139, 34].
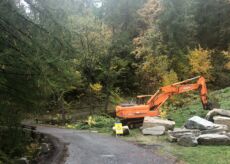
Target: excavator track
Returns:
[133, 123]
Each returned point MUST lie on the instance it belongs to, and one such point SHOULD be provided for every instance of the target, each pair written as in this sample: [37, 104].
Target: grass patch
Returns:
[203, 154]
[190, 155]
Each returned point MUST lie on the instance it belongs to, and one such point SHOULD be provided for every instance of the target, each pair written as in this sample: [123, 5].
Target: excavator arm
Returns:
[165, 92]
[151, 107]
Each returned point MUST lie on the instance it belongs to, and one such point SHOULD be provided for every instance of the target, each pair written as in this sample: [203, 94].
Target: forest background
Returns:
[65, 55]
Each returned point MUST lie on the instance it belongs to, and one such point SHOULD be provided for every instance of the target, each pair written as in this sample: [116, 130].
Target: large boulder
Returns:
[197, 122]
[222, 120]
[216, 112]
[187, 140]
[179, 132]
[228, 134]
[213, 139]
[156, 121]
[156, 130]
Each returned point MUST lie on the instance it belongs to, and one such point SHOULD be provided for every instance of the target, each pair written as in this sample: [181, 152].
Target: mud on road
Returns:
[92, 148]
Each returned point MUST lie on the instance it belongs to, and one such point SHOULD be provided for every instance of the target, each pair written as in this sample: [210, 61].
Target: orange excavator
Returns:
[140, 109]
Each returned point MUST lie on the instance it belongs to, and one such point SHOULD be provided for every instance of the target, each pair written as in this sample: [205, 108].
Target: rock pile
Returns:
[216, 112]
[214, 130]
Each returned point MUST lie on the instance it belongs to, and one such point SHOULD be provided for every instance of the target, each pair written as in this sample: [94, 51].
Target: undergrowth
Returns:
[17, 143]
[102, 123]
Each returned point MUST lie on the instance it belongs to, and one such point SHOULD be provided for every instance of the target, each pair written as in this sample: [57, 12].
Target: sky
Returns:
[26, 5]
[97, 3]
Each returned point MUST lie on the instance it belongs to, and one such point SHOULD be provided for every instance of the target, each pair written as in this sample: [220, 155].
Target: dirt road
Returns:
[93, 148]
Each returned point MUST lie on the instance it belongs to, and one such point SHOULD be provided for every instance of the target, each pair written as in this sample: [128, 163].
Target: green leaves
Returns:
[36, 59]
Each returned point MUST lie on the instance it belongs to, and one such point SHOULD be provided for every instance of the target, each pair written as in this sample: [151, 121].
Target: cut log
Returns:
[156, 121]
[156, 130]
[213, 139]
[216, 112]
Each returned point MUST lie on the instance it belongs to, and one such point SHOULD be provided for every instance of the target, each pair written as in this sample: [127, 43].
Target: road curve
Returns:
[93, 148]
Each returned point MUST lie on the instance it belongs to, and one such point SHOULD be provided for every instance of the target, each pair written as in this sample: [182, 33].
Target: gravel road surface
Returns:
[92, 148]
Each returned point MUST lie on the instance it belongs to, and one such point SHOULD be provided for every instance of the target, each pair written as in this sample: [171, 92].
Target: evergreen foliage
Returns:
[57, 54]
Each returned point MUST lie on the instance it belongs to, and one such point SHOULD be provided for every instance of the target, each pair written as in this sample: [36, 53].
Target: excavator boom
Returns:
[152, 106]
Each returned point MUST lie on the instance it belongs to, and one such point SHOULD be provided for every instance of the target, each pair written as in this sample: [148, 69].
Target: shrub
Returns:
[101, 123]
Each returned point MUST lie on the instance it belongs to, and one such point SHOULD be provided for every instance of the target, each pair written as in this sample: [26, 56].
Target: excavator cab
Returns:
[142, 99]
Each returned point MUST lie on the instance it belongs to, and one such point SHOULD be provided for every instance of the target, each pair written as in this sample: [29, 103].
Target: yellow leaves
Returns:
[97, 87]
[151, 10]
[200, 61]
[137, 41]
[70, 126]
[227, 56]
[141, 48]
[163, 113]
[31, 149]
[169, 78]
[227, 66]
[91, 121]
[32, 146]
[156, 71]
[144, 43]
[156, 64]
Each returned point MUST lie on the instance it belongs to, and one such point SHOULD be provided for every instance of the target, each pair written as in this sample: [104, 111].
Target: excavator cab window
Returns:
[141, 100]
